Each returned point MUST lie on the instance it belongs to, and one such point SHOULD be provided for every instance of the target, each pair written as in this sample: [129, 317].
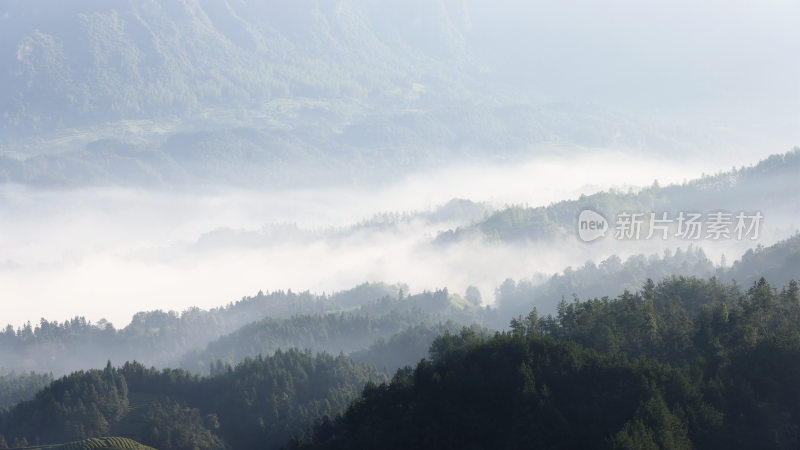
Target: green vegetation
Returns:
[80, 405]
[779, 263]
[223, 103]
[103, 443]
[682, 364]
[16, 387]
[597, 280]
[128, 61]
[161, 338]
[110, 443]
[407, 347]
[339, 332]
[258, 325]
[260, 402]
[264, 95]
[763, 187]
[260, 103]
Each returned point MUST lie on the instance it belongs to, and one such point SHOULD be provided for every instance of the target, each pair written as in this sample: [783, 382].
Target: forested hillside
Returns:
[261, 324]
[339, 332]
[682, 363]
[418, 224]
[15, 387]
[607, 278]
[260, 402]
[407, 347]
[778, 263]
[685, 363]
[158, 337]
[84, 61]
[768, 187]
[166, 93]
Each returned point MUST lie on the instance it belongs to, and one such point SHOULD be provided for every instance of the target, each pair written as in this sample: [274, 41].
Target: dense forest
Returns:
[683, 363]
[779, 263]
[15, 387]
[352, 224]
[161, 337]
[338, 332]
[407, 347]
[259, 402]
[607, 278]
[702, 358]
[351, 320]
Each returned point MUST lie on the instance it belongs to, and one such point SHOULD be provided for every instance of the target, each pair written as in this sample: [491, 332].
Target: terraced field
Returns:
[109, 443]
[129, 425]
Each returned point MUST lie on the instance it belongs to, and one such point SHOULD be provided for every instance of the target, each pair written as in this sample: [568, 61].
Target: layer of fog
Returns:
[108, 253]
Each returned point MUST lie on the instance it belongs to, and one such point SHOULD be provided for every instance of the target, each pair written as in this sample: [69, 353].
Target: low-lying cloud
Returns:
[110, 252]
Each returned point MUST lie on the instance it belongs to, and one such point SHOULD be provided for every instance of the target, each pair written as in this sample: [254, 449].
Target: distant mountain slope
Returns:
[407, 347]
[164, 93]
[598, 280]
[169, 92]
[335, 333]
[16, 387]
[158, 337]
[779, 264]
[770, 186]
[370, 147]
[82, 62]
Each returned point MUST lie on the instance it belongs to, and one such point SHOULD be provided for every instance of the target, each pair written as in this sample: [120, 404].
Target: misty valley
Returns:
[361, 224]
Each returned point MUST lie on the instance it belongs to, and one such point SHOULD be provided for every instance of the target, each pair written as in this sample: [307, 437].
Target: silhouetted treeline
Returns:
[609, 277]
[15, 387]
[685, 363]
[779, 263]
[407, 347]
[768, 186]
[340, 332]
[682, 363]
[259, 403]
[158, 337]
